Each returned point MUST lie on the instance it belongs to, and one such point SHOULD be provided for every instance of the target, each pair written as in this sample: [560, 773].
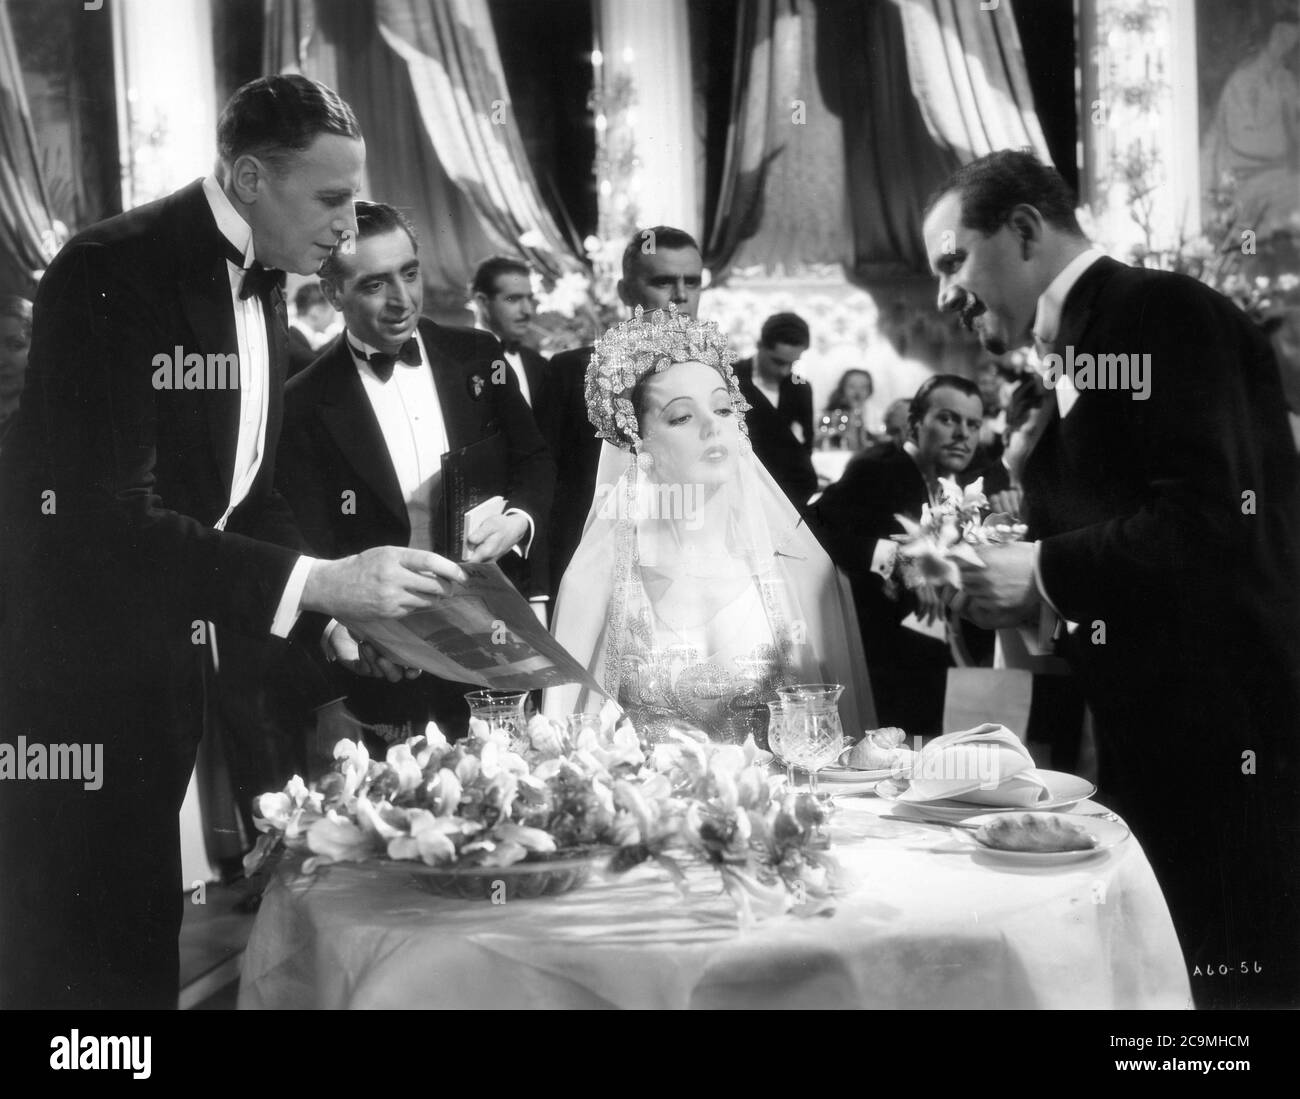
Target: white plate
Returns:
[1109, 834]
[1064, 790]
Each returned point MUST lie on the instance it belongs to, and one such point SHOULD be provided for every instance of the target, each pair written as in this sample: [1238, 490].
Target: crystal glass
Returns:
[776, 735]
[576, 724]
[812, 736]
[503, 711]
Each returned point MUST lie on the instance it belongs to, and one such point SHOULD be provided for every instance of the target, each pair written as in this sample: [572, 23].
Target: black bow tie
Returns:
[258, 280]
[382, 363]
[261, 281]
[511, 346]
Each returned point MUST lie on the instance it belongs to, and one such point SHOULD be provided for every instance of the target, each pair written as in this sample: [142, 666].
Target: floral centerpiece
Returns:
[485, 803]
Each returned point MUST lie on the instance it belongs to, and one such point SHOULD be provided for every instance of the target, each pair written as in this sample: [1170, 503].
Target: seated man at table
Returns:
[366, 426]
[854, 519]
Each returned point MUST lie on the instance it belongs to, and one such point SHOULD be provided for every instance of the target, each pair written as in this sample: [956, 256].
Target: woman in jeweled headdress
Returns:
[696, 591]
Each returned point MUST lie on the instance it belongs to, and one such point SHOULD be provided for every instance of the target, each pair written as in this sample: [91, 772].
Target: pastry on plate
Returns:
[1043, 832]
[878, 750]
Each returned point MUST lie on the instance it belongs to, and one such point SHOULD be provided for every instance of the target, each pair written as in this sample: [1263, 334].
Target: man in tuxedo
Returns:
[309, 329]
[1163, 506]
[502, 294]
[780, 416]
[365, 430]
[854, 520]
[662, 266]
[504, 304]
[138, 525]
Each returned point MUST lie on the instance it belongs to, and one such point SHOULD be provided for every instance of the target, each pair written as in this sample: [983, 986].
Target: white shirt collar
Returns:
[234, 228]
[1047, 320]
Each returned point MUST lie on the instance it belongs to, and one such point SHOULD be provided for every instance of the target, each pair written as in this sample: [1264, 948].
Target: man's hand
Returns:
[385, 582]
[495, 537]
[362, 658]
[1003, 592]
[1007, 501]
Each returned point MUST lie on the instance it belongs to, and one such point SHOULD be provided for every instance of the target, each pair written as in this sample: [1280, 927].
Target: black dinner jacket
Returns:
[788, 460]
[102, 580]
[332, 442]
[301, 352]
[567, 428]
[1174, 524]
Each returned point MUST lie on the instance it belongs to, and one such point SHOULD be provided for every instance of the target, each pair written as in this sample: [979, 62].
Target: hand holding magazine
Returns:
[483, 632]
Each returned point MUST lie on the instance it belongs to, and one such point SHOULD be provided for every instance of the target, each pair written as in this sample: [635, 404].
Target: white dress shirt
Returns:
[410, 418]
[254, 386]
[516, 362]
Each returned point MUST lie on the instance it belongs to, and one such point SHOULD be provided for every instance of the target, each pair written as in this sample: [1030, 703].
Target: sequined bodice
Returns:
[716, 676]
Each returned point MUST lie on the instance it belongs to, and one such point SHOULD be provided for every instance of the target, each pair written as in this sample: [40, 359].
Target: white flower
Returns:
[355, 764]
[405, 766]
[445, 790]
[545, 736]
[335, 839]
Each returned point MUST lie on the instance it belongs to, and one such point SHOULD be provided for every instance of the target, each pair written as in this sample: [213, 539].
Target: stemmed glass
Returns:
[812, 736]
[503, 711]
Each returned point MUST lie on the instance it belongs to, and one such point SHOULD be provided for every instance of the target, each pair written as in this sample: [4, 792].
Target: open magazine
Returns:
[483, 632]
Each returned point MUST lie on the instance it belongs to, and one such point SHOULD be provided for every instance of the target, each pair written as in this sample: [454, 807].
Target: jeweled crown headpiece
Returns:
[650, 343]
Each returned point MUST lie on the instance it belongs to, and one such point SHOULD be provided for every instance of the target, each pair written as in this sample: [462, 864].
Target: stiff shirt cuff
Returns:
[286, 614]
[523, 547]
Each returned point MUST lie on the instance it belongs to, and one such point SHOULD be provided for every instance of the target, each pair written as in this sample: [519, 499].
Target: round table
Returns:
[924, 920]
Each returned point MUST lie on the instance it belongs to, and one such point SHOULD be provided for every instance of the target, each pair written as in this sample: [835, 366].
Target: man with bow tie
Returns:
[1164, 531]
[139, 525]
[366, 427]
[502, 294]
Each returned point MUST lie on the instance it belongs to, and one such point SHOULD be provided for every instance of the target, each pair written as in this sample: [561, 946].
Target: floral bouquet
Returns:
[481, 803]
[929, 550]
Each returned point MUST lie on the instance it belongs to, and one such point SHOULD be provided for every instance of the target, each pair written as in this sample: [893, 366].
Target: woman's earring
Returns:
[645, 462]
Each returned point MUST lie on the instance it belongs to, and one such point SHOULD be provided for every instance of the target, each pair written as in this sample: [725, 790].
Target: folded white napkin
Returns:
[987, 765]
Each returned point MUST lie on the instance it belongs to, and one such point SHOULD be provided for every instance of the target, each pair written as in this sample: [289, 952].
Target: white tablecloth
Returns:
[927, 922]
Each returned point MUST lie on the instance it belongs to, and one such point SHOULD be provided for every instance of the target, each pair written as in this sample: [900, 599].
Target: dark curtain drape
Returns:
[892, 162]
[851, 112]
[26, 224]
[783, 202]
[427, 92]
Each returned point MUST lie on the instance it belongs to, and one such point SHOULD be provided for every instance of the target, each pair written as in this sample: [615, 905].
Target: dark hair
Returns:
[921, 402]
[19, 309]
[373, 218]
[658, 236]
[994, 185]
[309, 296]
[787, 328]
[837, 399]
[487, 273]
[275, 115]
